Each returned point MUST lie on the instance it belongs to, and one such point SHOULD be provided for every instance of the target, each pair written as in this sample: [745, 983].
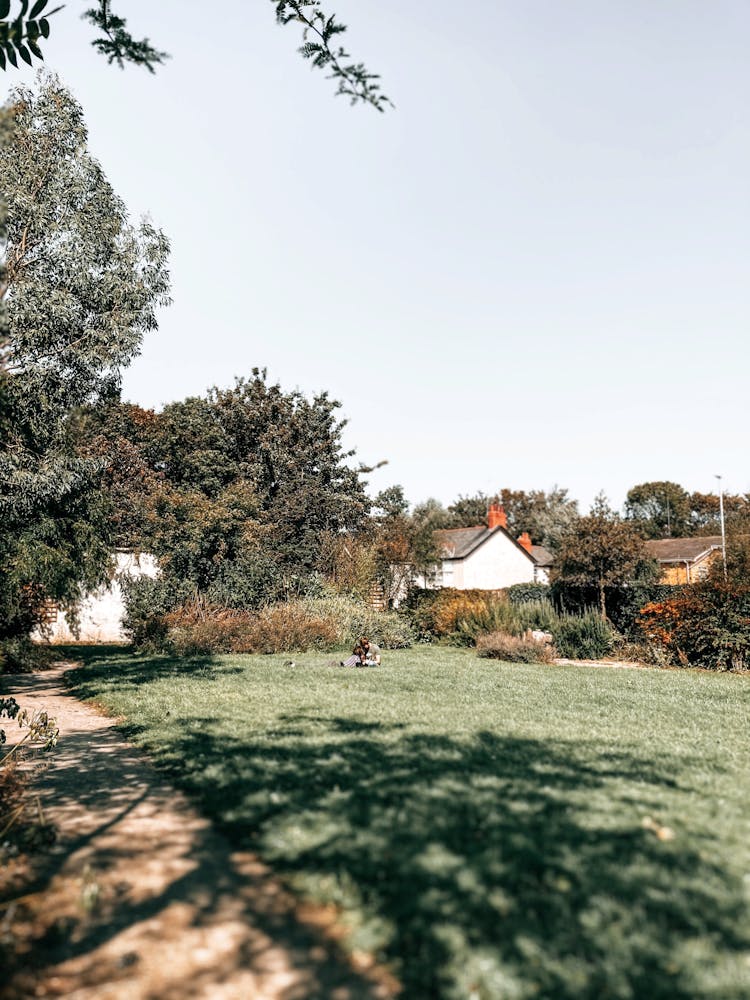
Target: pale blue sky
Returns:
[535, 270]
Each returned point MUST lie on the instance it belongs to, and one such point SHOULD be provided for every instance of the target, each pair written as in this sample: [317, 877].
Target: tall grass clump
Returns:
[458, 617]
[514, 649]
[315, 623]
[587, 636]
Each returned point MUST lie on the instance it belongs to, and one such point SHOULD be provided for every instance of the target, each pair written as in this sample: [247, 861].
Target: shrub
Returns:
[514, 649]
[525, 593]
[199, 627]
[462, 616]
[480, 617]
[353, 618]
[623, 603]
[587, 636]
[705, 625]
[459, 615]
[286, 628]
[147, 602]
[642, 652]
[539, 614]
[21, 656]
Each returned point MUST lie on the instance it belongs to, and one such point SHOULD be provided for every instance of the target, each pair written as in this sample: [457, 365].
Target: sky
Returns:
[534, 270]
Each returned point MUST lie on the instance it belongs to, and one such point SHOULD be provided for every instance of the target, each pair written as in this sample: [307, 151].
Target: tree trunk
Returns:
[602, 601]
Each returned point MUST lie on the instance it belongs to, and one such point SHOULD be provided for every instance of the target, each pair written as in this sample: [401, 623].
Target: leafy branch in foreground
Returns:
[116, 42]
[41, 731]
[319, 46]
[19, 36]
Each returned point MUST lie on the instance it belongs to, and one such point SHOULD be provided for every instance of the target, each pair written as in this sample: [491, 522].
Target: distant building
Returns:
[684, 560]
[102, 611]
[488, 557]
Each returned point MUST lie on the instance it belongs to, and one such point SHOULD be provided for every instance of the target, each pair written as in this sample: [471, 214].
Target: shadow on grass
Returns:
[489, 866]
[160, 865]
[96, 663]
[474, 863]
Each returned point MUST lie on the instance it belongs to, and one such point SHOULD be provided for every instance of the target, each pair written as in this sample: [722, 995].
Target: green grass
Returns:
[481, 825]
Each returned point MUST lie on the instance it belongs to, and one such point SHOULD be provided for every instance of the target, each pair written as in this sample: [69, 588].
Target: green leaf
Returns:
[38, 7]
[2, 59]
[4, 8]
[24, 8]
[35, 48]
[44, 27]
[24, 54]
[11, 53]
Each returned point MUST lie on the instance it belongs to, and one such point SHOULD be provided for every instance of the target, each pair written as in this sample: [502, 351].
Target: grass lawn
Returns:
[489, 830]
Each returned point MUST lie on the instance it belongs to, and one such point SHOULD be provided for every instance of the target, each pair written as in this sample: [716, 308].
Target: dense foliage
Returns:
[327, 621]
[666, 510]
[238, 493]
[704, 625]
[464, 617]
[544, 514]
[80, 288]
[601, 550]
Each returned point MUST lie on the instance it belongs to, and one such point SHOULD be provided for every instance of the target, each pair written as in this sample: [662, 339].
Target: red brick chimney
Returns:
[524, 541]
[496, 517]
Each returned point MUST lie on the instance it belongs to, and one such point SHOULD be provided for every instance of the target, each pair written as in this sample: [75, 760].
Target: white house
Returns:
[102, 611]
[488, 557]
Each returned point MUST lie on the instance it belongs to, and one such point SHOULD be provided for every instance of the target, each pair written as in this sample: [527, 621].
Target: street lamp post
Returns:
[723, 534]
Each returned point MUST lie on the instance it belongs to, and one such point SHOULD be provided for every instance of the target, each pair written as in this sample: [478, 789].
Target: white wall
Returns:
[495, 564]
[102, 611]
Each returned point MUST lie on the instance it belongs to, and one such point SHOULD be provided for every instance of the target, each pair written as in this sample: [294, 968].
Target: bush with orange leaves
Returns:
[706, 625]
[461, 615]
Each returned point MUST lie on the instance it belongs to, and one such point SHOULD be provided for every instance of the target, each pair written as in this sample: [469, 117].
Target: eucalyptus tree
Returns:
[80, 287]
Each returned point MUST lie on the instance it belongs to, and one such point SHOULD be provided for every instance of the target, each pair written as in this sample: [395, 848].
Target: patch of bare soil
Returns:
[620, 664]
[140, 899]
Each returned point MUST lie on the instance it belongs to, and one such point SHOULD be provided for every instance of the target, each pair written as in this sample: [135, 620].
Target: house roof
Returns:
[683, 550]
[458, 543]
[541, 556]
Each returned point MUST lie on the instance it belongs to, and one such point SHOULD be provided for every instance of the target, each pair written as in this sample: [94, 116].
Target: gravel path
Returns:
[139, 899]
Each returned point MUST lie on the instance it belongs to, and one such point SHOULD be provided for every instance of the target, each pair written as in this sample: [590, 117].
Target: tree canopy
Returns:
[238, 491]
[601, 550]
[544, 514]
[664, 509]
[80, 287]
[659, 509]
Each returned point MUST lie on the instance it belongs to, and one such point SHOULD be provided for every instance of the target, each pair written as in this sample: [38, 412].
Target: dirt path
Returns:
[139, 899]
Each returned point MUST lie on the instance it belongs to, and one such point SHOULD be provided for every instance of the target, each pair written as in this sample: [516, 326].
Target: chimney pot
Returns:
[496, 517]
[524, 541]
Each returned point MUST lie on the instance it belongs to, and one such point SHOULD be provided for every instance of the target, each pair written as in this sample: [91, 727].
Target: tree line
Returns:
[246, 494]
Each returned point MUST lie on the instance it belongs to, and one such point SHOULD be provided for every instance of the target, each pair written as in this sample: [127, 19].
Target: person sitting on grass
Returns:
[372, 652]
[356, 659]
[364, 654]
